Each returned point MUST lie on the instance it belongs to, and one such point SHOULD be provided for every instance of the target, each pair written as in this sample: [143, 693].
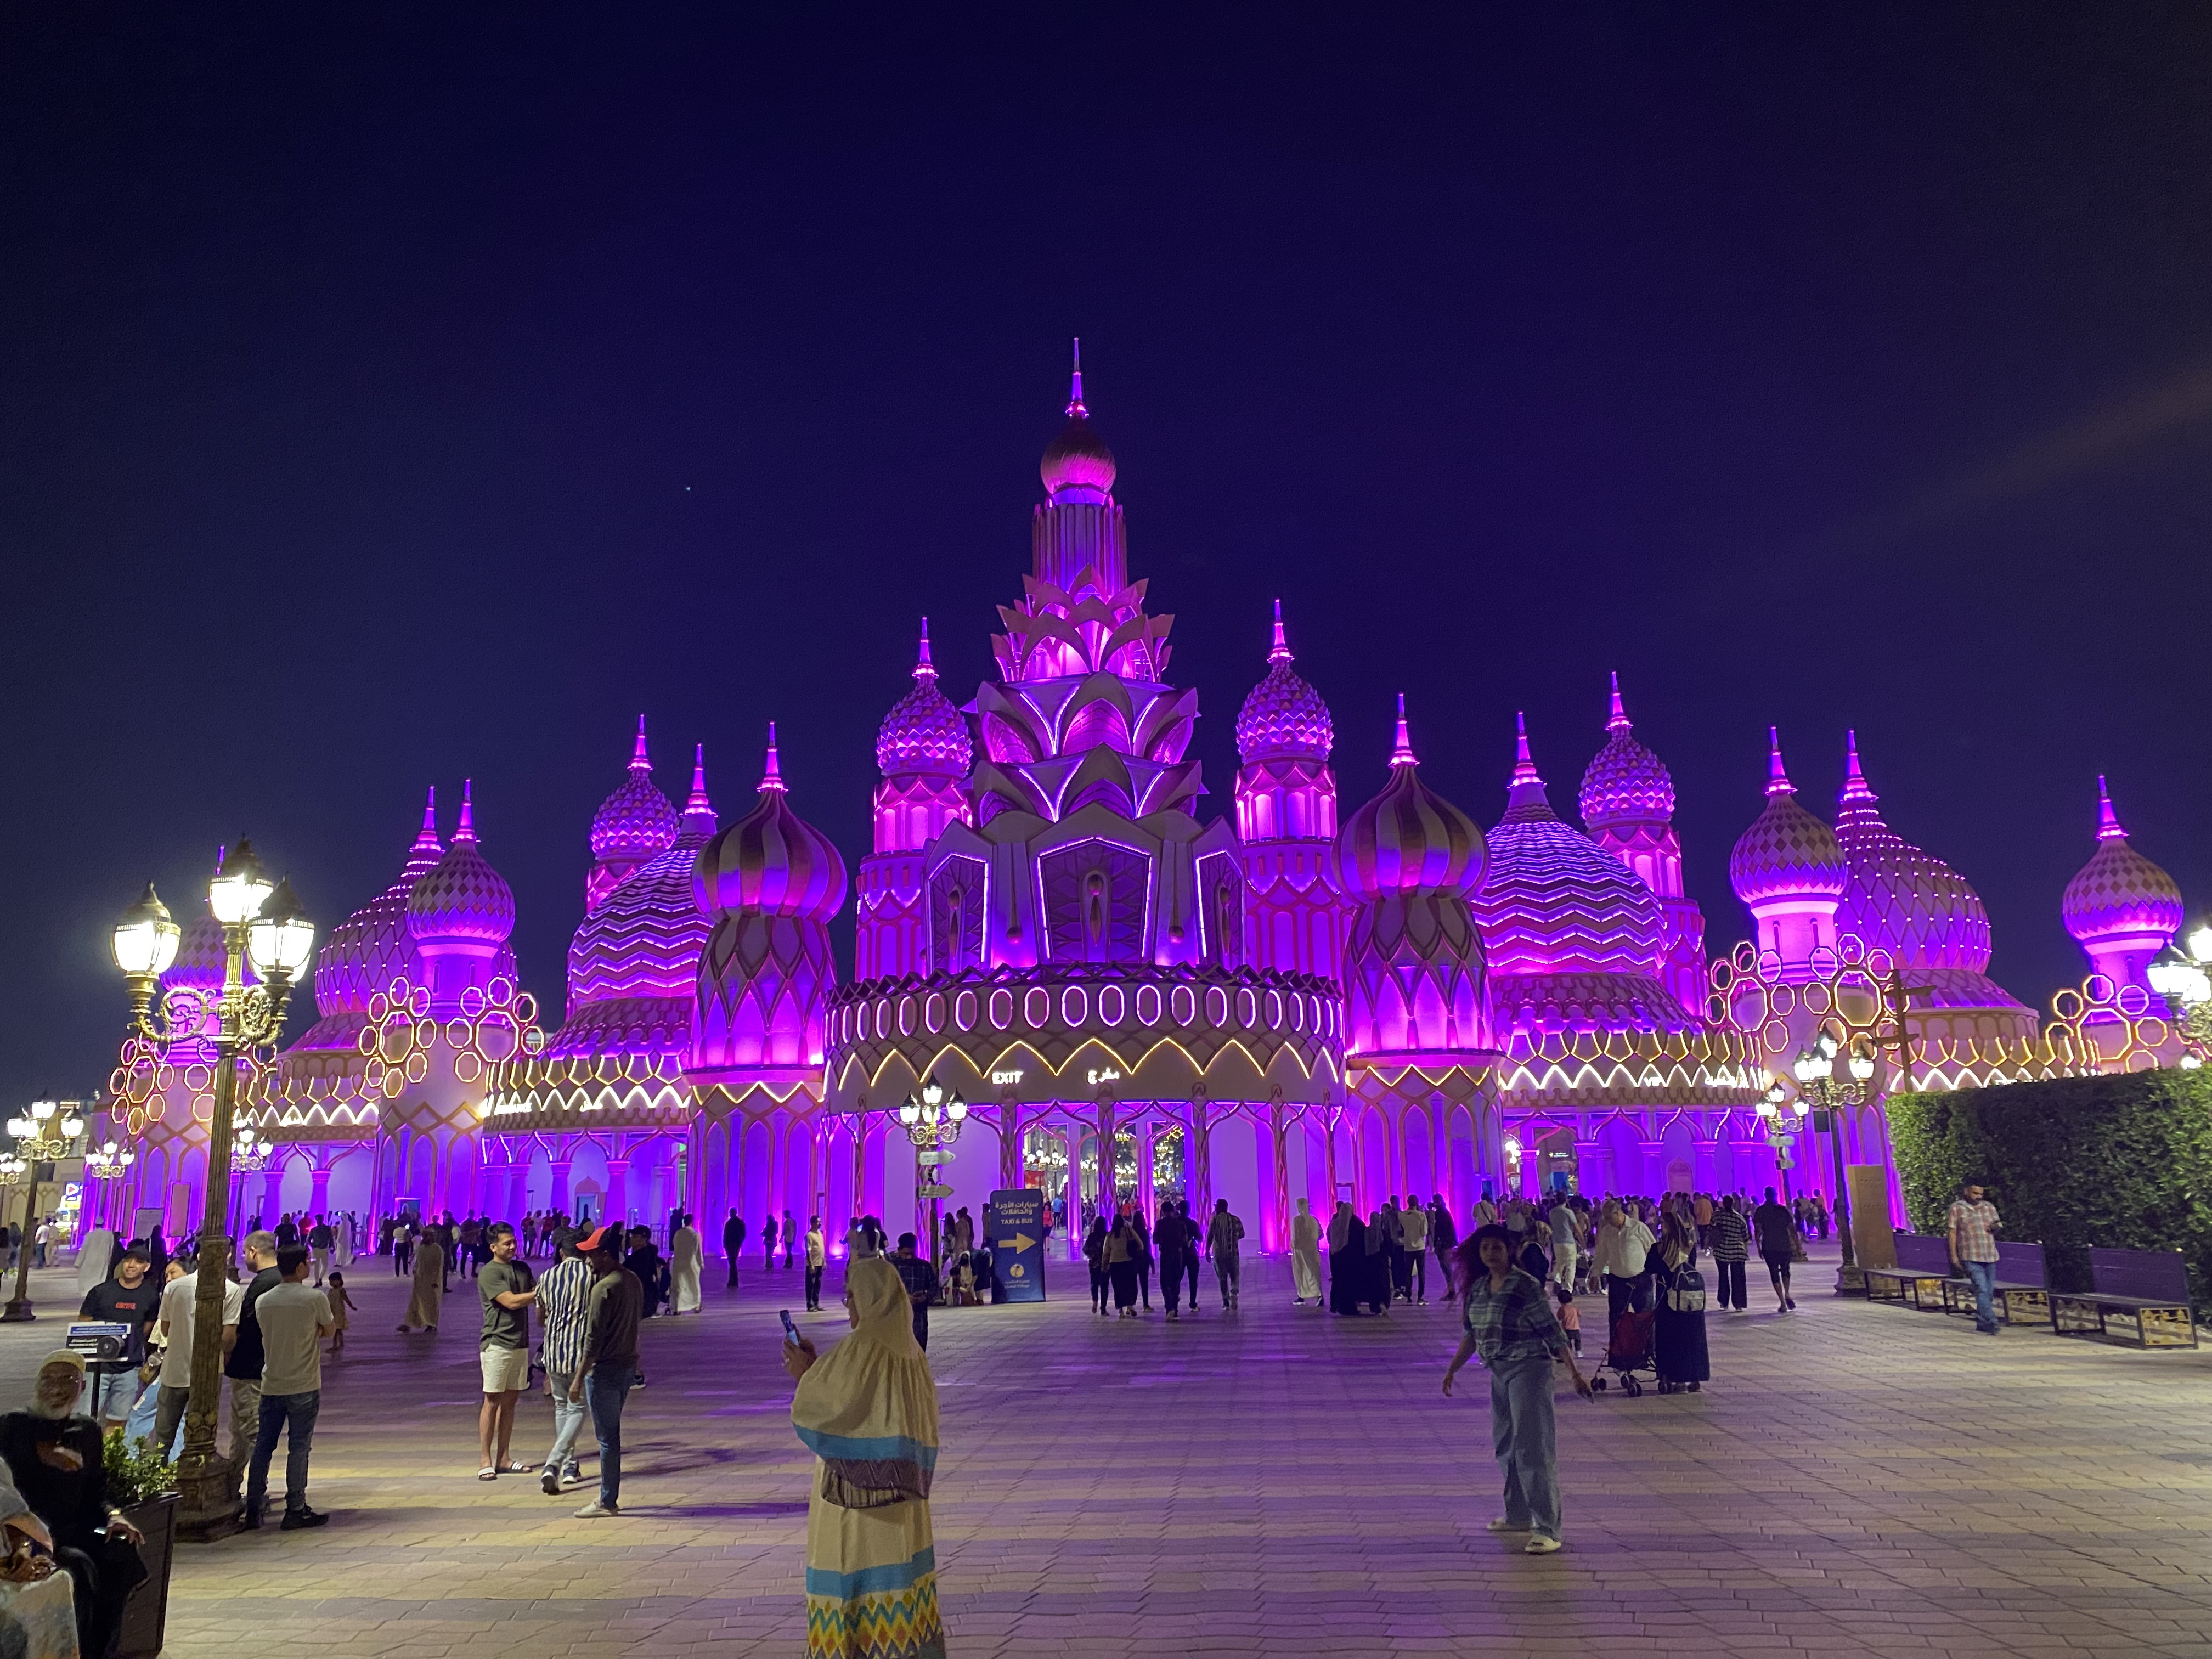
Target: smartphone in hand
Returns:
[790, 1330]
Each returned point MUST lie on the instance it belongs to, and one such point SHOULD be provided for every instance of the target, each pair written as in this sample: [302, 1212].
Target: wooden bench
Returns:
[1916, 1281]
[2023, 1287]
[2140, 1297]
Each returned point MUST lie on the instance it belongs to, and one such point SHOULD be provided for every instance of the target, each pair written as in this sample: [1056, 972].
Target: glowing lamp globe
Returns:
[241, 888]
[43, 1109]
[72, 1126]
[1809, 1065]
[281, 938]
[909, 1113]
[1802, 1107]
[1862, 1064]
[146, 939]
[957, 1109]
[2200, 943]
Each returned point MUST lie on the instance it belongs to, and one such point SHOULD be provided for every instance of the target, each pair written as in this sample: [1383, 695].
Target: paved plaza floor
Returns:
[1855, 1479]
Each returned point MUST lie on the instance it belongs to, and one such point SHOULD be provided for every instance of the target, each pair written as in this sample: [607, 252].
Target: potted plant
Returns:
[142, 1484]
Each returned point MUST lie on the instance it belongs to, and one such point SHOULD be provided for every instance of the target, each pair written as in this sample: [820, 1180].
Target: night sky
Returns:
[421, 393]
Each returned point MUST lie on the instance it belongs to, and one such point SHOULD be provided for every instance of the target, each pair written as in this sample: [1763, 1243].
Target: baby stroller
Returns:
[1629, 1351]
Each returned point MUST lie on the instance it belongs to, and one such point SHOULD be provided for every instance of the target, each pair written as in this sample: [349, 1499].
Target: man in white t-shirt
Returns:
[177, 1305]
[294, 1317]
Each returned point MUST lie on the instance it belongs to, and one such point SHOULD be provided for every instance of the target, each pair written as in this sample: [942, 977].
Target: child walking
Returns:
[340, 1309]
[1570, 1321]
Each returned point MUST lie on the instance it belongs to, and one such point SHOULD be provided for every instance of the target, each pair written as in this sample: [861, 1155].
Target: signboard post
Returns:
[1018, 1230]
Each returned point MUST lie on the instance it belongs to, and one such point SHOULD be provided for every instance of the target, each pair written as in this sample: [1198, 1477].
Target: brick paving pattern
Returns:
[1855, 1479]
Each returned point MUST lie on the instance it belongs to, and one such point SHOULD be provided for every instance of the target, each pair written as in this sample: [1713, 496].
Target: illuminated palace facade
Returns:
[1285, 1003]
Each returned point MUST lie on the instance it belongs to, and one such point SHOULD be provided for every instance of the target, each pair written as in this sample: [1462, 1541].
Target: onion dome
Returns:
[460, 897]
[1409, 839]
[1787, 853]
[1900, 897]
[2118, 894]
[770, 861]
[644, 938]
[924, 732]
[1078, 459]
[637, 820]
[1553, 901]
[1282, 717]
[1625, 783]
[372, 947]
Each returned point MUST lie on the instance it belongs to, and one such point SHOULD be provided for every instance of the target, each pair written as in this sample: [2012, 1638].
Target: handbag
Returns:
[1685, 1293]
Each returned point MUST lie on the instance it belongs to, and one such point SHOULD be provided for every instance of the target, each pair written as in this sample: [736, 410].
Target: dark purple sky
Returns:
[427, 392]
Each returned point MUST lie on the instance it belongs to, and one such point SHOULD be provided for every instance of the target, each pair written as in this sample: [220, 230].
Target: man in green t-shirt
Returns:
[506, 1287]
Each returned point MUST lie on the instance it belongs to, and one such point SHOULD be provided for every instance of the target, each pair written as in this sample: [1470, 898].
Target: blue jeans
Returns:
[294, 1414]
[606, 1390]
[1525, 1440]
[1984, 1277]
[568, 1422]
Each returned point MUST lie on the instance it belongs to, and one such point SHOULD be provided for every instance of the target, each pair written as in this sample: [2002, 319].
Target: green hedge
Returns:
[2123, 1162]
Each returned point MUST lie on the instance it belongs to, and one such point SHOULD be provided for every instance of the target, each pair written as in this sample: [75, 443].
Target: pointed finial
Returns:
[1403, 754]
[698, 804]
[638, 761]
[1618, 720]
[426, 839]
[1856, 786]
[923, 668]
[1524, 769]
[1777, 781]
[1280, 651]
[466, 830]
[771, 779]
[2108, 821]
[1075, 387]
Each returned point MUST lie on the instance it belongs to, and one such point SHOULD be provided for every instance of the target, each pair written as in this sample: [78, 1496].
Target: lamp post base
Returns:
[17, 1312]
[207, 1506]
[1850, 1279]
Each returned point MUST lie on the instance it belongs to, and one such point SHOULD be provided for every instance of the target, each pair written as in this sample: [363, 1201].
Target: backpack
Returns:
[1686, 1293]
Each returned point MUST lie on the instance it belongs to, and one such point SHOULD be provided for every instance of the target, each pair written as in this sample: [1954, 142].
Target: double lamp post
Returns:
[264, 921]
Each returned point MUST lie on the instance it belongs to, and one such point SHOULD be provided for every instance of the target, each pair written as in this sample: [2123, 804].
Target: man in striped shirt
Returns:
[563, 1299]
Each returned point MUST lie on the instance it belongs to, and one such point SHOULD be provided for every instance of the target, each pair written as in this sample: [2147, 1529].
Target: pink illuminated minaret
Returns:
[1789, 870]
[1294, 918]
[2123, 909]
[923, 752]
[1627, 803]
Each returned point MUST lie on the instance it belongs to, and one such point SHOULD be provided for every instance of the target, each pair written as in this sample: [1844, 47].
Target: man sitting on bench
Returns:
[1974, 1248]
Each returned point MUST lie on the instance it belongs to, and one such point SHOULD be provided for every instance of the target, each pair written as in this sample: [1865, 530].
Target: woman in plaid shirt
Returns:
[1508, 1322]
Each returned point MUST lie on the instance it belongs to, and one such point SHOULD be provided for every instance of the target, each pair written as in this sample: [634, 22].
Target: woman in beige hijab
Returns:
[867, 1410]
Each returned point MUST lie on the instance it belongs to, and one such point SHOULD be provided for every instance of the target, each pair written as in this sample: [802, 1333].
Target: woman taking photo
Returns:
[867, 1410]
[1507, 1316]
[1679, 1323]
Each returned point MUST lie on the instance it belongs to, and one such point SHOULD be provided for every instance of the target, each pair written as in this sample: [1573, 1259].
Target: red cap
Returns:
[592, 1240]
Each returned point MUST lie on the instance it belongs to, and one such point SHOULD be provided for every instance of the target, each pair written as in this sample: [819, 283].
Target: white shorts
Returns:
[506, 1371]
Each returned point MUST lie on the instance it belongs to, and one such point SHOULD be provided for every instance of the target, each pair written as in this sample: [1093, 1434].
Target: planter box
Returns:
[146, 1614]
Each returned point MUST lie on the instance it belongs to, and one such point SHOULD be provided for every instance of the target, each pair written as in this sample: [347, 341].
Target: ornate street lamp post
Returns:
[1785, 1120]
[44, 1133]
[932, 1115]
[104, 1168]
[1815, 1070]
[271, 927]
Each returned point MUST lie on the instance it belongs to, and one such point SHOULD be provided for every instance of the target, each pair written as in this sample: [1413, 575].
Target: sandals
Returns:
[487, 1473]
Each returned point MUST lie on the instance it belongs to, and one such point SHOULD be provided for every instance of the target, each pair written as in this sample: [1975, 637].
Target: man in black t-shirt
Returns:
[131, 1299]
[241, 1349]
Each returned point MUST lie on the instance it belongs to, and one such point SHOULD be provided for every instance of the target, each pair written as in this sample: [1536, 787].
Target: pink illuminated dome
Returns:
[1899, 897]
[461, 898]
[1625, 783]
[1077, 465]
[637, 820]
[771, 861]
[1787, 855]
[1409, 839]
[372, 947]
[1555, 901]
[924, 732]
[2119, 900]
[645, 937]
[1282, 717]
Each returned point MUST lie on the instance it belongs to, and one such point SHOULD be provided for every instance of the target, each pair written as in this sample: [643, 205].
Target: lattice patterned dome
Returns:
[1898, 896]
[637, 820]
[1283, 716]
[1408, 839]
[644, 939]
[1625, 783]
[1787, 853]
[461, 897]
[1553, 901]
[770, 860]
[2118, 892]
[924, 732]
[372, 947]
